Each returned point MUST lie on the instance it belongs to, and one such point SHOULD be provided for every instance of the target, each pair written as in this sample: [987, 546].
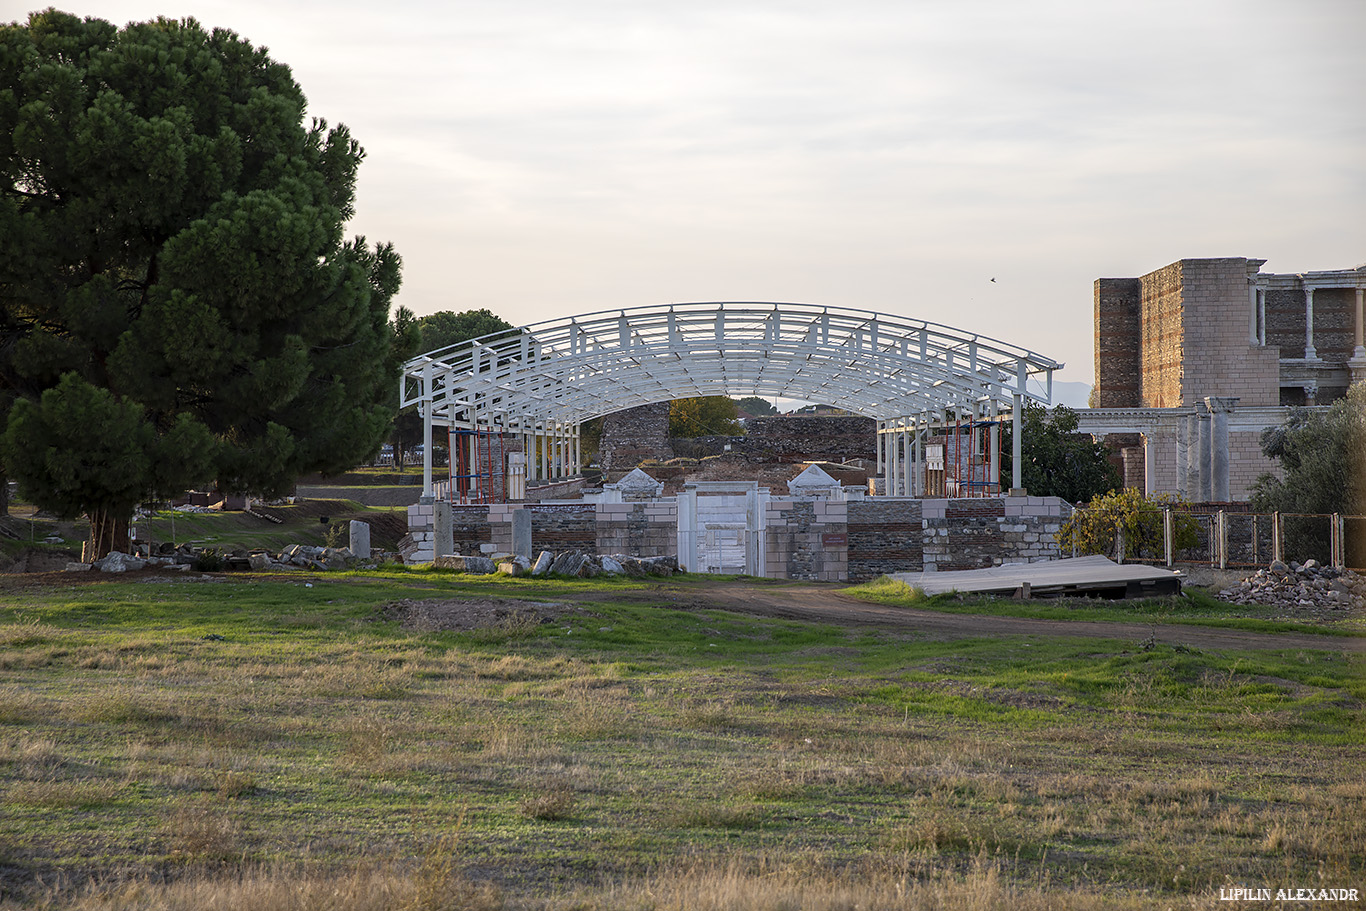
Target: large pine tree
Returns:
[180, 304]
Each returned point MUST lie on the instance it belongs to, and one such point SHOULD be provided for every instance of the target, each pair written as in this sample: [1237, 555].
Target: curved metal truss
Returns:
[553, 375]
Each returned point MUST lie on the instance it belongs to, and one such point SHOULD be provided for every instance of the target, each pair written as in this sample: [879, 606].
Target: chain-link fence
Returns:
[1225, 538]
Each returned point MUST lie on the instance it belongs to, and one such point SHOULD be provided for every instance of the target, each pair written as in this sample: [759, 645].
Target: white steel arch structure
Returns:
[543, 380]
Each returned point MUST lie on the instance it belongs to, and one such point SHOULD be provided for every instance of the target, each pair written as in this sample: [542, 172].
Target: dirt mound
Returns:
[460, 614]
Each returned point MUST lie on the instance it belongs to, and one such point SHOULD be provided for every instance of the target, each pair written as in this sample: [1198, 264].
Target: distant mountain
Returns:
[1073, 395]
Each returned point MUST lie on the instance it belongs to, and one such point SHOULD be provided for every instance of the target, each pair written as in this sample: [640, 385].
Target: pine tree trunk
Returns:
[4, 495]
[108, 532]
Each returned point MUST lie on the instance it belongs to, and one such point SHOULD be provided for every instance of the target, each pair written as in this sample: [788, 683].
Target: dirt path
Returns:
[826, 605]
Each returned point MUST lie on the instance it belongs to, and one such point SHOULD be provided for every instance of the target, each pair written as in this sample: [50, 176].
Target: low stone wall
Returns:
[885, 536]
[816, 540]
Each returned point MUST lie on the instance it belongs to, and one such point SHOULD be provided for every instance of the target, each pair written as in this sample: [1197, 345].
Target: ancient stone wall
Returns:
[643, 529]
[835, 438]
[807, 539]
[1160, 349]
[572, 526]
[630, 437]
[1218, 357]
[817, 540]
[885, 536]
[1117, 304]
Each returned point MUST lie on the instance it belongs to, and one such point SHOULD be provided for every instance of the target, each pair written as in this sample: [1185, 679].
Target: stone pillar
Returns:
[1183, 456]
[1203, 453]
[1149, 465]
[360, 539]
[1309, 352]
[521, 532]
[1359, 326]
[1193, 454]
[1220, 407]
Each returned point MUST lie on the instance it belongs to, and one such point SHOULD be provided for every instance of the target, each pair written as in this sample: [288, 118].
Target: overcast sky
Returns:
[546, 157]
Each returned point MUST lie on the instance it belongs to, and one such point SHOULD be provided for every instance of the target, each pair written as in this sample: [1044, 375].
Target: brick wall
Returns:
[1160, 333]
[885, 536]
[568, 527]
[1117, 343]
[630, 437]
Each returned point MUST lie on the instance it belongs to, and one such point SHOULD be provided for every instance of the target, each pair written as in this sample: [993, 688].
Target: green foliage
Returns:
[1322, 456]
[209, 560]
[711, 415]
[756, 406]
[175, 270]
[1056, 460]
[446, 328]
[1092, 530]
[432, 332]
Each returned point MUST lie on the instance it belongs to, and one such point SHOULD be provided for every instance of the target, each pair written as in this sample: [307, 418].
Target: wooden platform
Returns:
[1094, 576]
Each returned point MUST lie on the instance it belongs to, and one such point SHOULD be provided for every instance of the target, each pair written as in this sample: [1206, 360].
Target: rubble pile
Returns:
[185, 557]
[1300, 586]
[569, 563]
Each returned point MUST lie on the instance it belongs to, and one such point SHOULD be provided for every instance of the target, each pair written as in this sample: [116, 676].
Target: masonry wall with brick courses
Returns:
[885, 536]
[643, 529]
[471, 530]
[630, 437]
[806, 539]
[1117, 304]
[1161, 333]
[1334, 312]
[568, 527]
[972, 534]
[836, 438]
[1285, 321]
[1220, 358]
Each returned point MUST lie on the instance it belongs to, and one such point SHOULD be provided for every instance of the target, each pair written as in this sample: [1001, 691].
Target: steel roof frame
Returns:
[569, 370]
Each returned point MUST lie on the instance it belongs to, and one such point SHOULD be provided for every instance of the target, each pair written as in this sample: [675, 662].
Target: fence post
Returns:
[1336, 548]
[1222, 520]
[1167, 534]
[1119, 541]
[1276, 529]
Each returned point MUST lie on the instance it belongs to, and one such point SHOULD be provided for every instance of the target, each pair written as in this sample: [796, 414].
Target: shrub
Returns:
[1092, 529]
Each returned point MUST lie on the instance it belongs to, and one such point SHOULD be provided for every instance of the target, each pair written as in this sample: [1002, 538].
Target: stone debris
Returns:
[1307, 587]
[479, 566]
[294, 558]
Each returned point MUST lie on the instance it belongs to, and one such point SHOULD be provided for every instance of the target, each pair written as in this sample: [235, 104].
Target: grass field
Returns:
[254, 743]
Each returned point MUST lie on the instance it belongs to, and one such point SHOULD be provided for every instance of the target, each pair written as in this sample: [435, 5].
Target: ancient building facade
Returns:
[1195, 359]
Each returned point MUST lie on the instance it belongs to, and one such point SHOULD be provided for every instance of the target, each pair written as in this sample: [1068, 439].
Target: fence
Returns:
[1222, 538]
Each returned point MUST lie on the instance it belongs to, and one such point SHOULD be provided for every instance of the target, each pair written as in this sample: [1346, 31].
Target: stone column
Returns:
[1183, 456]
[1359, 326]
[1149, 464]
[1204, 457]
[1193, 454]
[1220, 407]
[1309, 352]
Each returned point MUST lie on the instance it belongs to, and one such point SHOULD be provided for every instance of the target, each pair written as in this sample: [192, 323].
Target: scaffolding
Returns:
[478, 466]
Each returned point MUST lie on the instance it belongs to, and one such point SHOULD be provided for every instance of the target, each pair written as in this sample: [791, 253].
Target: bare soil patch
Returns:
[821, 604]
[462, 615]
